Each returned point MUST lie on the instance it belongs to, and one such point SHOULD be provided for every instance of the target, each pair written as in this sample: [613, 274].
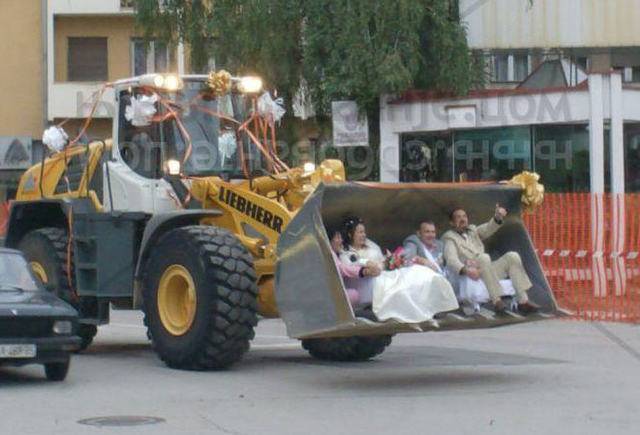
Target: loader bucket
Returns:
[310, 293]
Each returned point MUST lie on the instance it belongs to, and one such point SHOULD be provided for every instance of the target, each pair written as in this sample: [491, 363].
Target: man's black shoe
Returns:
[528, 308]
[499, 307]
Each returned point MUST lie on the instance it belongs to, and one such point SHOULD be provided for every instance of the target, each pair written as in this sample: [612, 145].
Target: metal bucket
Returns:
[310, 293]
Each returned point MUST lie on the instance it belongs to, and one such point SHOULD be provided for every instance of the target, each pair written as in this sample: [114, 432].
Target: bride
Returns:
[412, 294]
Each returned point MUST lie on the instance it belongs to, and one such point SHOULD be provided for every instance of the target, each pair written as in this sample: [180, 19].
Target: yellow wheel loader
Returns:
[188, 214]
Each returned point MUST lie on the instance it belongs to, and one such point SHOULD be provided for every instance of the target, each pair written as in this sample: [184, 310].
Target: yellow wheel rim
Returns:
[177, 300]
[39, 272]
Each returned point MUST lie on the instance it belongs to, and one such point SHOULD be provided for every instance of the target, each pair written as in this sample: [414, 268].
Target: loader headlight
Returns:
[62, 327]
[250, 85]
[309, 167]
[158, 81]
[168, 82]
[173, 167]
[172, 83]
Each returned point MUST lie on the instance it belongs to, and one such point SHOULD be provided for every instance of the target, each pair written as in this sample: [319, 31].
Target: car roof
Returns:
[10, 251]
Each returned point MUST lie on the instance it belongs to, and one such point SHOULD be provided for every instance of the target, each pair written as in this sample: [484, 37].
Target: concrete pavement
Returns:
[554, 377]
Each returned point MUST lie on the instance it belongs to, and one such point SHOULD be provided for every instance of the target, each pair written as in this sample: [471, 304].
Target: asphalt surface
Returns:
[552, 377]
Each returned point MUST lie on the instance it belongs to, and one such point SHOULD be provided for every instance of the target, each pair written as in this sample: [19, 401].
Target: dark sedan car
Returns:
[35, 325]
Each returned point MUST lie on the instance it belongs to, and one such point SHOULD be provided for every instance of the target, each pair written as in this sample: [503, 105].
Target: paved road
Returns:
[556, 377]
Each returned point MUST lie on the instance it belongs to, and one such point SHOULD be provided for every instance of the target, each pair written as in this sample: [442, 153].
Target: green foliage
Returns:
[260, 37]
[344, 49]
[445, 61]
[360, 49]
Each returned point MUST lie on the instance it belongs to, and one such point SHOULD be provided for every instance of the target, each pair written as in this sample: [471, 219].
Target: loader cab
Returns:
[188, 128]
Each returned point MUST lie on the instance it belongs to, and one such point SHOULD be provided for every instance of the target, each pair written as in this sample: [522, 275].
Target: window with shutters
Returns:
[148, 57]
[87, 59]
[510, 67]
[520, 67]
[500, 70]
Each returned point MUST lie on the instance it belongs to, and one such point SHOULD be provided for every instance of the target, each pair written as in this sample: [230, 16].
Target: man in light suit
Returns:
[464, 254]
[424, 248]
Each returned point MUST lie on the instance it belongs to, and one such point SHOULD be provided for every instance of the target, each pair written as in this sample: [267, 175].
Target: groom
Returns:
[464, 253]
[424, 248]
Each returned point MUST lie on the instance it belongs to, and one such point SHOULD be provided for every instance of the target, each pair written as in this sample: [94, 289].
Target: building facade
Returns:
[560, 99]
[58, 56]
[515, 36]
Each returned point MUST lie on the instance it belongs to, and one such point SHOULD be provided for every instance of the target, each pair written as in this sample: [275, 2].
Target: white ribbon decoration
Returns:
[55, 138]
[141, 110]
[270, 108]
[227, 145]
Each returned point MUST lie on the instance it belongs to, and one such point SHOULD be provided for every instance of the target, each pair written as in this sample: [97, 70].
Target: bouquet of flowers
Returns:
[394, 260]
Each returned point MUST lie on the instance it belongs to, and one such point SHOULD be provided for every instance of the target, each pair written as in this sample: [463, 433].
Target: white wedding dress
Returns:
[411, 294]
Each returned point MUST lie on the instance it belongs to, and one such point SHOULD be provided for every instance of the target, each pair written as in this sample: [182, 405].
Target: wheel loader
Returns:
[188, 214]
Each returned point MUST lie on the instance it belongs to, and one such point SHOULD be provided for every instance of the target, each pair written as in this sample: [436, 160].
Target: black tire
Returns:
[226, 295]
[57, 371]
[351, 349]
[48, 246]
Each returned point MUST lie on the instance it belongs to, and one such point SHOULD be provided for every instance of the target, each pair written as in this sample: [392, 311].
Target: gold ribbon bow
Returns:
[532, 190]
[219, 82]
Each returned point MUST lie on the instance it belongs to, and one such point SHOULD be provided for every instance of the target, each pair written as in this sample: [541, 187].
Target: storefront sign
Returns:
[461, 116]
[349, 128]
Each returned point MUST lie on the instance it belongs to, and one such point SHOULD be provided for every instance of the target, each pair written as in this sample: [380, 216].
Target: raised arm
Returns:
[487, 230]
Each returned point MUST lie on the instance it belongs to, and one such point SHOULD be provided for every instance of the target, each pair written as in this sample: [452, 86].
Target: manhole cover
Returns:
[121, 420]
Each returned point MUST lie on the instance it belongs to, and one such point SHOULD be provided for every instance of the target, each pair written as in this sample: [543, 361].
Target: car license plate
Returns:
[17, 350]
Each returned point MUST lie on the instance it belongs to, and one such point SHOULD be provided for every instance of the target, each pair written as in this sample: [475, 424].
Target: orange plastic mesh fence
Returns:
[589, 247]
